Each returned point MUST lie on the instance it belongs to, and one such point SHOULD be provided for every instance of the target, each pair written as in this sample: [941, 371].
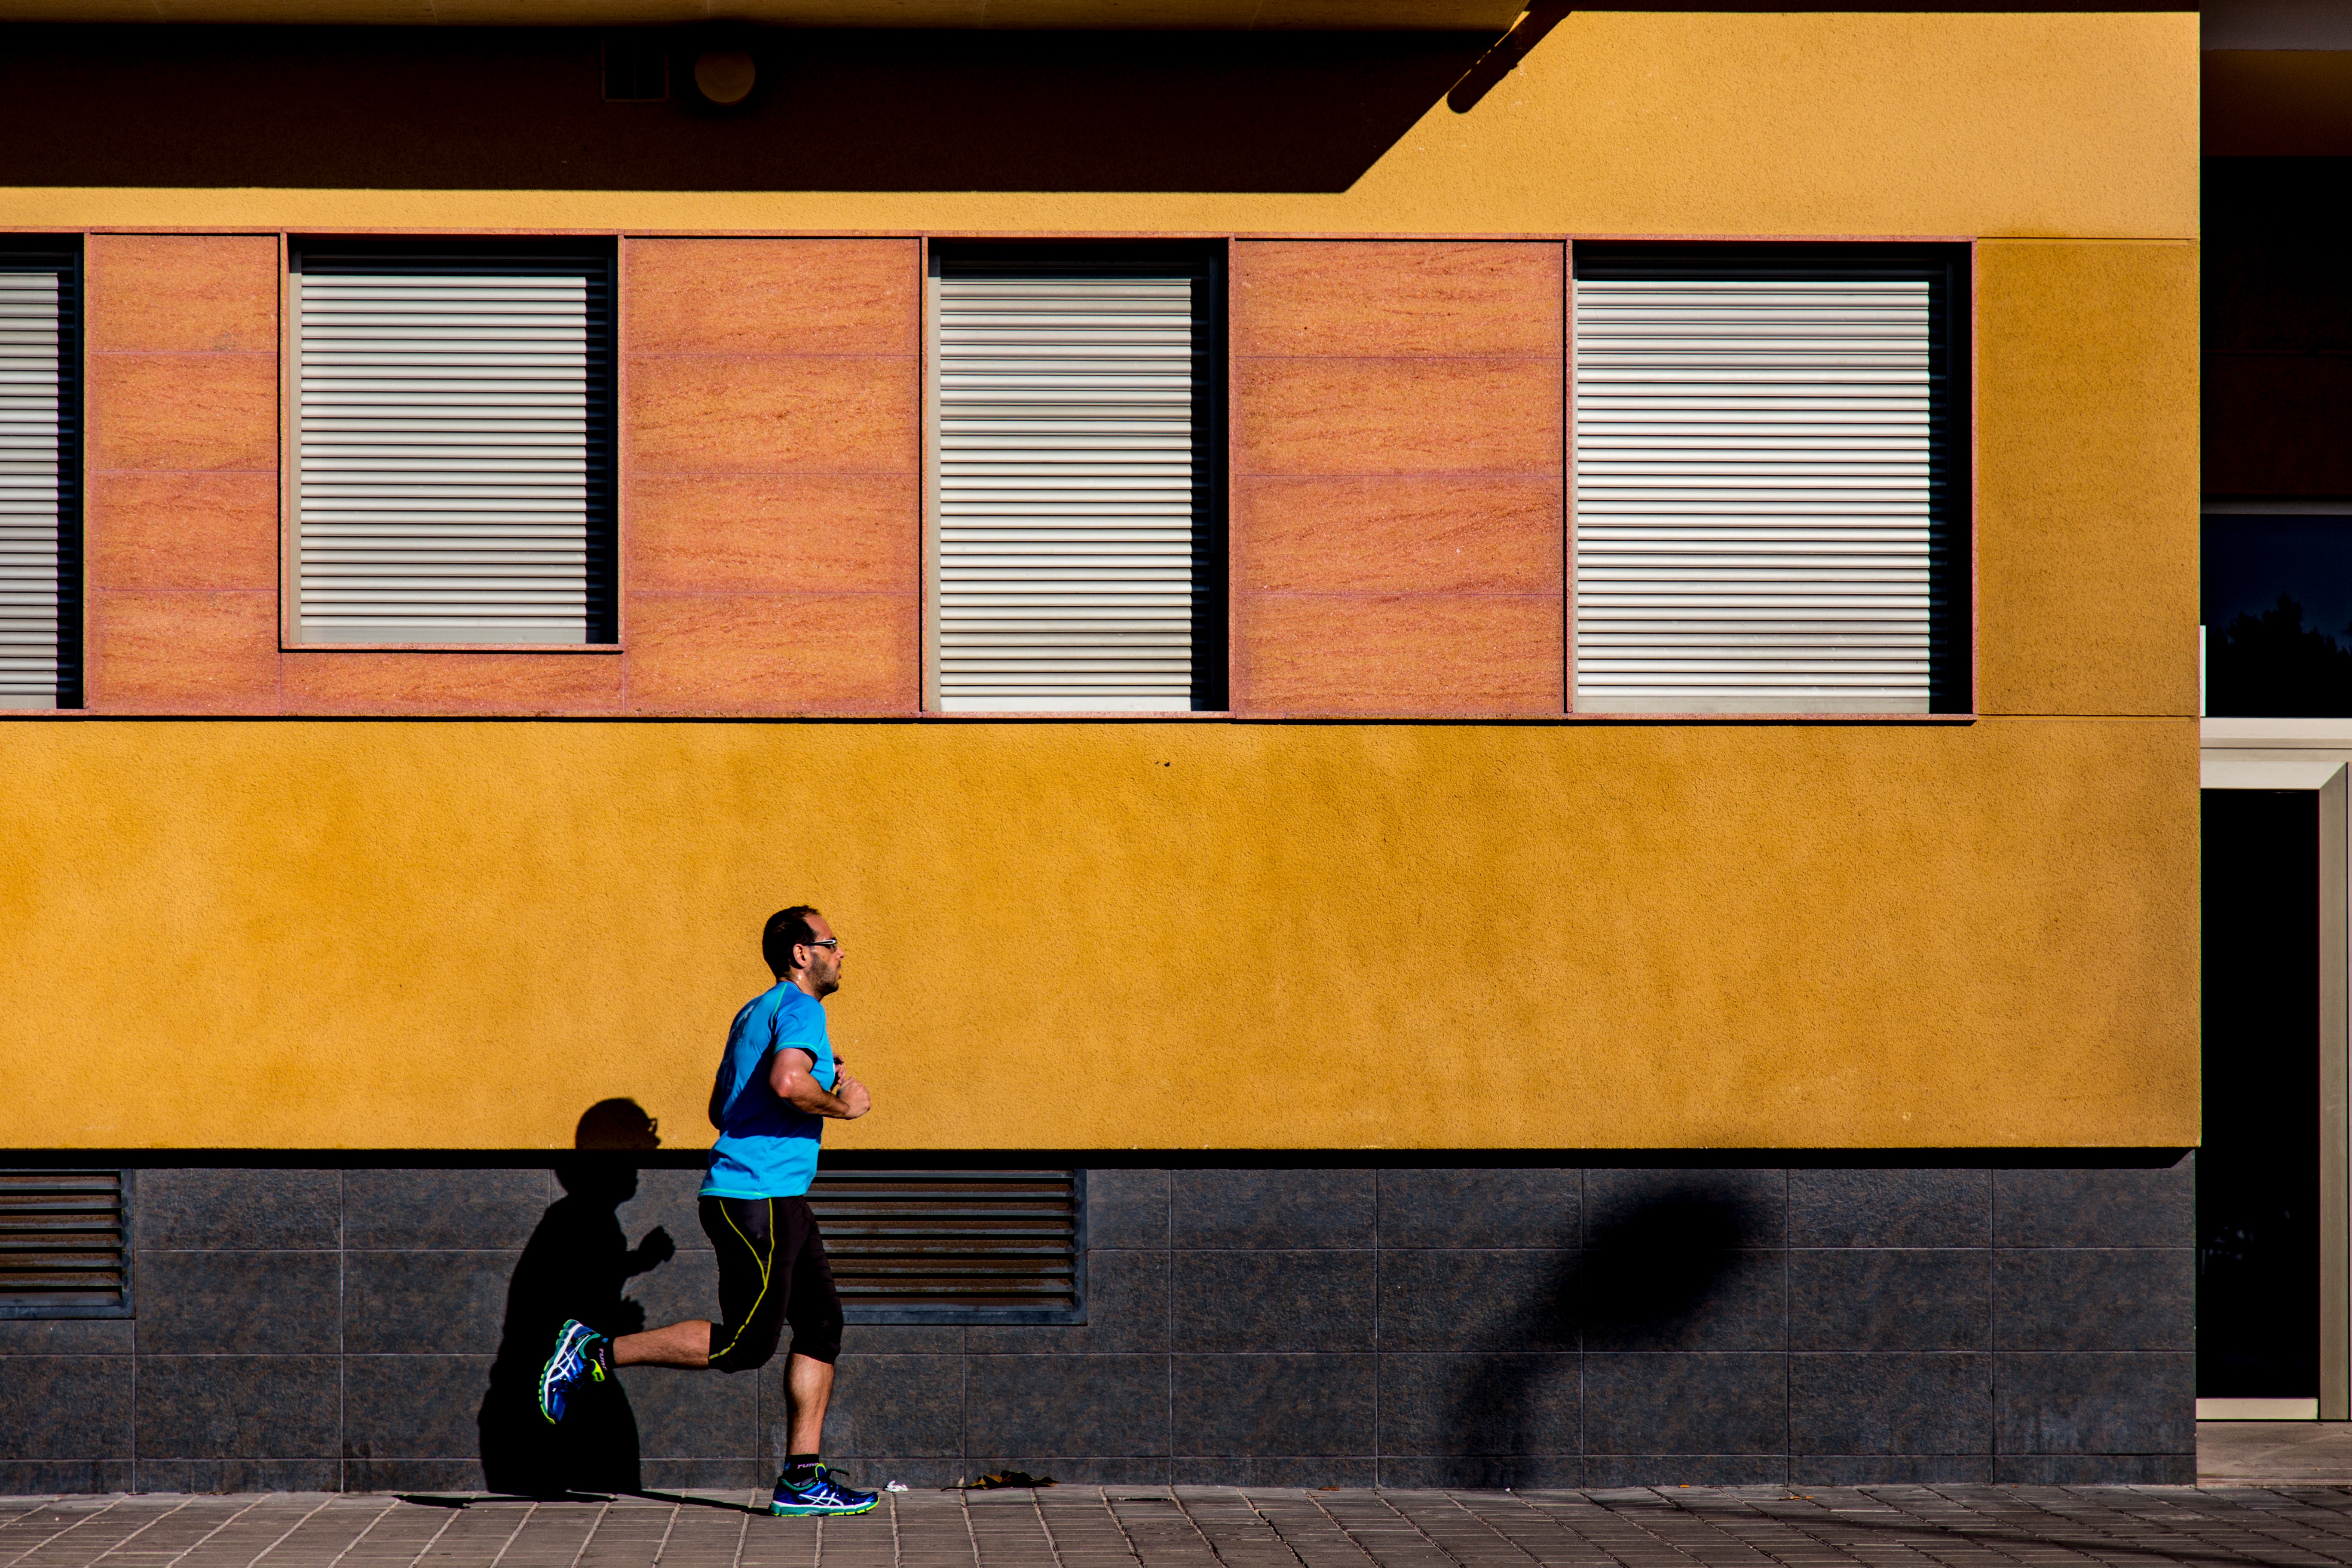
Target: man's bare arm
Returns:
[789, 1077]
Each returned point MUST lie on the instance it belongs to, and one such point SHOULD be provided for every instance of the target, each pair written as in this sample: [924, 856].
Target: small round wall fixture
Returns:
[725, 76]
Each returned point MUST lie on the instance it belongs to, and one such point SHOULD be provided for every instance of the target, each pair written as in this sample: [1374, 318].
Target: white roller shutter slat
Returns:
[455, 447]
[38, 426]
[1754, 494]
[1069, 524]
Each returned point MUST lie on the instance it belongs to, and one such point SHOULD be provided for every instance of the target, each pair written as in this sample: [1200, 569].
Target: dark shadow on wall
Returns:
[492, 108]
[574, 1266]
[1504, 59]
[1644, 1281]
[1506, 1404]
[1650, 1272]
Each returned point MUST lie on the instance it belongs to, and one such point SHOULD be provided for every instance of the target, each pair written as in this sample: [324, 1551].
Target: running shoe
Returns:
[579, 1353]
[822, 1497]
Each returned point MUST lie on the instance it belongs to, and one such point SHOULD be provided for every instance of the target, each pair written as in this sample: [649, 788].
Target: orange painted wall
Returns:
[1397, 519]
[1399, 477]
[771, 551]
[772, 426]
[181, 449]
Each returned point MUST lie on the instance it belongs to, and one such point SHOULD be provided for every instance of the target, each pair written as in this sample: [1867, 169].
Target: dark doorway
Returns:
[2258, 1169]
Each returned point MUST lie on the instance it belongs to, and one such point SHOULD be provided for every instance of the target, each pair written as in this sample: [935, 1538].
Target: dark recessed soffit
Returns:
[1224, 16]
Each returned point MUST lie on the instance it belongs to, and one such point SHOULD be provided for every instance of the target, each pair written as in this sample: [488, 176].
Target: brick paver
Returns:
[1211, 1527]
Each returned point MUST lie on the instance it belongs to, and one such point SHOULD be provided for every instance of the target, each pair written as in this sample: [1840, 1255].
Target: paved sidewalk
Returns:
[1205, 1527]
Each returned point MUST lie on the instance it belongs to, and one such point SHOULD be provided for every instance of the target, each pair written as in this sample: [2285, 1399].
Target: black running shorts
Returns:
[771, 1271]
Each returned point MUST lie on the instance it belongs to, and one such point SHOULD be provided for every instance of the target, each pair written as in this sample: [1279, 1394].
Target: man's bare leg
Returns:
[808, 1382]
[686, 1344]
[808, 1389]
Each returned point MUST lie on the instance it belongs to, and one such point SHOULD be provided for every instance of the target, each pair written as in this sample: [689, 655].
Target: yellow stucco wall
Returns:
[459, 935]
[2087, 476]
[1187, 934]
[1619, 122]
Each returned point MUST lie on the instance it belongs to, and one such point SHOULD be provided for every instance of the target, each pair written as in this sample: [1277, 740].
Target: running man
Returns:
[777, 1082]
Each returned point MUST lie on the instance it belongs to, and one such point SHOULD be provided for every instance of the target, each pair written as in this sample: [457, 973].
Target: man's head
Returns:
[801, 947]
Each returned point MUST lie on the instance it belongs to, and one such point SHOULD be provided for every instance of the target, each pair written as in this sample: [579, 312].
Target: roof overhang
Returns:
[1228, 16]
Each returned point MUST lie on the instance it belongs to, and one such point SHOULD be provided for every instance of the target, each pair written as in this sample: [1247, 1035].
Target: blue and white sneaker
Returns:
[822, 1497]
[579, 1353]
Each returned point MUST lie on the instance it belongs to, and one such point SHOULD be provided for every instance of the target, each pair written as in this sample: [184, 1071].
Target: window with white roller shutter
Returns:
[40, 474]
[1770, 491]
[455, 420]
[1076, 458]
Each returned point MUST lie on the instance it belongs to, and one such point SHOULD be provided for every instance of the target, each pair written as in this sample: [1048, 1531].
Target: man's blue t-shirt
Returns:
[766, 1148]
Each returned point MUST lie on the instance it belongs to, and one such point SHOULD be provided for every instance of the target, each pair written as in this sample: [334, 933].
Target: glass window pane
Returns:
[2277, 611]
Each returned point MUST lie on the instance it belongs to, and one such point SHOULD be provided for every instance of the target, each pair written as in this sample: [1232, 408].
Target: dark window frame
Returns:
[1212, 452]
[73, 413]
[605, 557]
[1950, 269]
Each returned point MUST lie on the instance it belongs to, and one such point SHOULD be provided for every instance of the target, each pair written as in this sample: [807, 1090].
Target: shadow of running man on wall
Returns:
[1655, 1274]
[575, 1265]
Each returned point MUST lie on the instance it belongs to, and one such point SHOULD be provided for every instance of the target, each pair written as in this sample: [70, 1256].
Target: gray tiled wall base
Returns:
[1536, 1327]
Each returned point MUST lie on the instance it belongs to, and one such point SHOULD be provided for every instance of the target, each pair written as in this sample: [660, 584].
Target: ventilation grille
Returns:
[63, 1251]
[952, 1246]
[1754, 493]
[1069, 520]
[39, 586]
[455, 447]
